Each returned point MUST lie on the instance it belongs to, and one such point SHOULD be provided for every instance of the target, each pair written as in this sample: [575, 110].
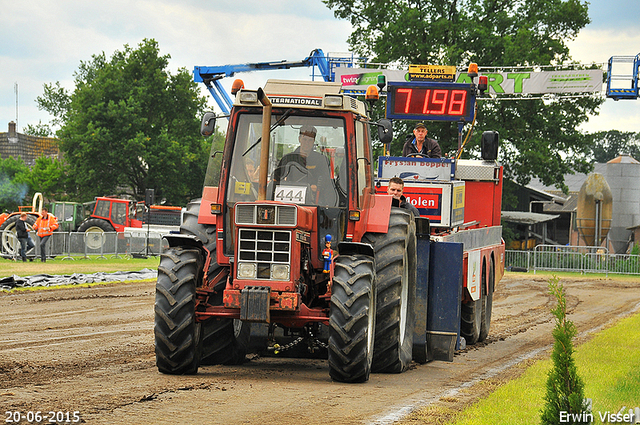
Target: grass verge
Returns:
[608, 363]
[93, 264]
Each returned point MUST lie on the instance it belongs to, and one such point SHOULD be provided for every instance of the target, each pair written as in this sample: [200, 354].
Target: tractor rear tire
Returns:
[352, 319]
[225, 341]
[8, 233]
[395, 254]
[205, 233]
[177, 335]
[190, 226]
[487, 304]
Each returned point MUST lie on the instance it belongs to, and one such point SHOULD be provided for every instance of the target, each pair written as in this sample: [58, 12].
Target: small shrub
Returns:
[564, 397]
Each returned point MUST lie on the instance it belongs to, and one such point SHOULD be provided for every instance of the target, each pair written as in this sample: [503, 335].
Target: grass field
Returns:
[77, 265]
[608, 364]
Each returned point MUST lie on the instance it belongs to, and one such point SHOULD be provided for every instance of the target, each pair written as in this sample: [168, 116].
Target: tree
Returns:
[49, 177]
[130, 125]
[38, 130]
[538, 137]
[13, 187]
[565, 388]
[607, 145]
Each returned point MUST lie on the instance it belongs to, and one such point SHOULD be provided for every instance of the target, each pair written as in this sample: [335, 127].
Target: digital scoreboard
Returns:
[430, 101]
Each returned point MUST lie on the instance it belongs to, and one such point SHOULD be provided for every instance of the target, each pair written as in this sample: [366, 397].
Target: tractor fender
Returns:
[178, 239]
[352, 248]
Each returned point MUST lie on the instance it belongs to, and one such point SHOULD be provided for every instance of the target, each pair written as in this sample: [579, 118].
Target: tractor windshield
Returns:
[306, 161]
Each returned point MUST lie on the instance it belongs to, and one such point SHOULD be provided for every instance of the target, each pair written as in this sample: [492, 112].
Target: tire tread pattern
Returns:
[352, 318]
[177, 335]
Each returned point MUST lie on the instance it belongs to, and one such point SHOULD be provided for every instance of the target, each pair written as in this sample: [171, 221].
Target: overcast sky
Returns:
[43, 41]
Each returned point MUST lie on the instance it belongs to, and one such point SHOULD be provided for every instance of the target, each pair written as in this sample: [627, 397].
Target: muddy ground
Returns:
[90, 350]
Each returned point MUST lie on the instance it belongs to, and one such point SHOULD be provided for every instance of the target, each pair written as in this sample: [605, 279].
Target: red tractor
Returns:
[119, 215]
[251, 250]
[292, 244]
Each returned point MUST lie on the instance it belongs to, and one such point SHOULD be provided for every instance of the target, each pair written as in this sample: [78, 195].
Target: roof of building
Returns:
[623, 159]
[27, 147]
[523, 217]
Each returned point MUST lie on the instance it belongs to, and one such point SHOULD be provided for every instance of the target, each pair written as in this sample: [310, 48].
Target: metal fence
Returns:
[70, 245]
[580, 259]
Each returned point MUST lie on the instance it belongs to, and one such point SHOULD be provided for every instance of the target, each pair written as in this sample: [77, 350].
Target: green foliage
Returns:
[13, 187]
[130, 125]
[607, 145]
[49, 177]
[565, 389]
[538, 138]
[38, 130]
[611, 369]
[509, 234]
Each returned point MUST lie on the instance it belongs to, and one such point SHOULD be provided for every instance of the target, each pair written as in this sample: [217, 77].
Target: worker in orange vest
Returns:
[45, 225]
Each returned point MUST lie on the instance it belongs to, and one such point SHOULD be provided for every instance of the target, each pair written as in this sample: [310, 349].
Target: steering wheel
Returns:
[417, 155]
[294, 172]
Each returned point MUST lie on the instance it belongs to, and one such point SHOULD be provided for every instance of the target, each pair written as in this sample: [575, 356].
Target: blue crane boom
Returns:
[211, 75]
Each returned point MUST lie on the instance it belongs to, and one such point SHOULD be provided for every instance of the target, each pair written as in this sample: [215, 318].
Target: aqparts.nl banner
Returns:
[525, 82]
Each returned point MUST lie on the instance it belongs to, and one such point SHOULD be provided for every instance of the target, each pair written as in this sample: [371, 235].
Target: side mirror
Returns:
[208, 125]
[489, 145]
[385, 131]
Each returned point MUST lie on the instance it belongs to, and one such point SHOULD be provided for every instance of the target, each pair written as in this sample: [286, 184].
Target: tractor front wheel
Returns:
[177, 335]
[352, 318]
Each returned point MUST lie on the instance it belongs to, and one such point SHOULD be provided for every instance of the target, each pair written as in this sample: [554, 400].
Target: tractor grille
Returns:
[267, 251]
[269, 214]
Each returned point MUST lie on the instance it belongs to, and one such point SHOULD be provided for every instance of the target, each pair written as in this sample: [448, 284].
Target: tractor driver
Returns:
[306, 165]
[419, 143]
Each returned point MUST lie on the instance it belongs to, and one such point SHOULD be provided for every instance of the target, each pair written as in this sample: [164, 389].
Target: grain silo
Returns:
[594, 211]
[623, 176]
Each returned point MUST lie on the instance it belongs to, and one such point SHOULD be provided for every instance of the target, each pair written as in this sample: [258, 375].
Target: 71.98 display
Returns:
[430, 101]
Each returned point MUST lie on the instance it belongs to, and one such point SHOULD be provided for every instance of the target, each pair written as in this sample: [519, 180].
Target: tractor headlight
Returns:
[279, 272]
[248, 97]
[247, 270]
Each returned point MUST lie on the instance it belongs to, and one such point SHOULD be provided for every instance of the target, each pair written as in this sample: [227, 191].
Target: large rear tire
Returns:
[225, 341]
[8, 233]
[395, 254]
[487, 303]
[205, 233]
[177, 335]
[352, 319]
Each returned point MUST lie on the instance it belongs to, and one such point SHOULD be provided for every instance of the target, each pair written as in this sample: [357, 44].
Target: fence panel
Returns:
[579, 259]
[65, 245]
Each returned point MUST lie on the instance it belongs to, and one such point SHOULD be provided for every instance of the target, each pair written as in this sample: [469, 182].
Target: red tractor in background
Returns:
[252, 252]
[123, 215]
[108, 214]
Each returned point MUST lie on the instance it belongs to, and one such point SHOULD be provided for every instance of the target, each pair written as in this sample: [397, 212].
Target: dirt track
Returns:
[90, 350]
